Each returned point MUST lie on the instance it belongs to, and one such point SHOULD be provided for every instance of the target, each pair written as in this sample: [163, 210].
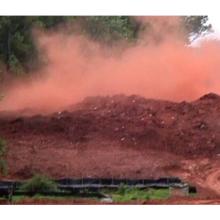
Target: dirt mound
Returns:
[210, 96]
[117, 136]
[183, 128]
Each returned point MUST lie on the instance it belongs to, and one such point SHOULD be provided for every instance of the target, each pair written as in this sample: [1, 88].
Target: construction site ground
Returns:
[120, 137]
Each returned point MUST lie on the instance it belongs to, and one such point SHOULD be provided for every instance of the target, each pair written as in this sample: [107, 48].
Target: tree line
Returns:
[18, 50]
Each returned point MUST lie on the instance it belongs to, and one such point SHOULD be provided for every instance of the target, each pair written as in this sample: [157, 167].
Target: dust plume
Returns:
[78, 67]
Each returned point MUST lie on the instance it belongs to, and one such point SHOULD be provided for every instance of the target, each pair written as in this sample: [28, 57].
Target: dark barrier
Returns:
[69, 181]
[148, 181]
[108, 181]
[67, 186]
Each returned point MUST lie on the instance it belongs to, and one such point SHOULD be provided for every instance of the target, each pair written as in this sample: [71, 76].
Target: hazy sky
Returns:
[215, 21]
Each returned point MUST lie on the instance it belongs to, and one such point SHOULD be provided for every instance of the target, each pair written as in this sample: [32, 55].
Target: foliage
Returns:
[17, 46]
[196, 25]
[48, 22]
[108, 29]
[125, 194]
[39, 184]
[16, 42]
[3, 167]
[3, 164]
[2, 147]
[159, 193]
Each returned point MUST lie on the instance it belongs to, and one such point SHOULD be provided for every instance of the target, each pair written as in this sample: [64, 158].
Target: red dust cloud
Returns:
[78, 68]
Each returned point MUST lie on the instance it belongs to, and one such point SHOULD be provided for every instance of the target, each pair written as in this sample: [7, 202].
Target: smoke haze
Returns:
[78, 67]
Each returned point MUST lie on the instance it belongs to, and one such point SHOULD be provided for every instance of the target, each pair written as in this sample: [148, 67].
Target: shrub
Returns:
[3, 164]
[3, 167]
[39, 184]
[2, 148]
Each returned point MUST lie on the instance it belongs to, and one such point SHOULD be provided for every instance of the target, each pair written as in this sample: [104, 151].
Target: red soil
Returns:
[119, 136]
[86, 201]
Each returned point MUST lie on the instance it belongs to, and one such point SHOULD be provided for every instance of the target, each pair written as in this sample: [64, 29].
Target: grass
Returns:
[126, 194]
[159, 193]
[193, 194]
[37, 197]
[123, 194]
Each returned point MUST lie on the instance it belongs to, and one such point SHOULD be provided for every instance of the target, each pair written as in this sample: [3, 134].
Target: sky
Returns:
[215, 21]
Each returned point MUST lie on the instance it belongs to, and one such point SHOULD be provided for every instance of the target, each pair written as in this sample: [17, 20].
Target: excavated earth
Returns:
[119, 136]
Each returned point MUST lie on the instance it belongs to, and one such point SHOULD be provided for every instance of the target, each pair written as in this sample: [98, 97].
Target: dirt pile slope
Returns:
[183, 128]
[119, 136]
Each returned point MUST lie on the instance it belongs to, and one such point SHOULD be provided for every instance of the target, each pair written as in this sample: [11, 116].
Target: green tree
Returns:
[50, 21]
[19, 53]
[196, 25]
[108, 29]
[16, 42]
[17, 47]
